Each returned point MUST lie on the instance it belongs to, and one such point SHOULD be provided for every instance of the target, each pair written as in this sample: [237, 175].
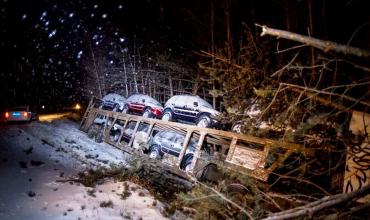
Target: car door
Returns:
[167, 141]
[177, 145]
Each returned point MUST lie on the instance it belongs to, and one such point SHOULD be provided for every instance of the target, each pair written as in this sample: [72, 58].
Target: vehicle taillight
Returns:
[25, 114]
[156, 111]
[6, 114]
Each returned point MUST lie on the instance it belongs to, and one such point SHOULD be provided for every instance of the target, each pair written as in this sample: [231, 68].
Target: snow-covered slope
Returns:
[35, 157]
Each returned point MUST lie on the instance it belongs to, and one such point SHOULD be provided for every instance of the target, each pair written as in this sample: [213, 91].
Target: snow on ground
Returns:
[64, 135]
[35, 157]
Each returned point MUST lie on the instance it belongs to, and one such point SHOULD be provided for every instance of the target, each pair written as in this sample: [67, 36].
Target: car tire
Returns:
[238, 127]
[167, 116]
[125, 109]
[90, 132]
[116, 137]
[186, 162]
[99, 137]
[154, 153]
[210, 173]
[147, 113]
[204, 121]
[116, 108]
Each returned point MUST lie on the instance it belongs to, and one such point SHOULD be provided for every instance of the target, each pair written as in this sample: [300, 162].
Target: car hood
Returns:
[212, 111]
[152, 105]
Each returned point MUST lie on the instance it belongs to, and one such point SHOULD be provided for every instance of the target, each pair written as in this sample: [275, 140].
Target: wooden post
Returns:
[133, 134]
[197, 151]
[184, 146]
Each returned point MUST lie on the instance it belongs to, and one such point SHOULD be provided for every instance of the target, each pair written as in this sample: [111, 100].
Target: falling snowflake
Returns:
[79, 54]
[52, 33]
[71, 15]
[24, 16]
[104, 16]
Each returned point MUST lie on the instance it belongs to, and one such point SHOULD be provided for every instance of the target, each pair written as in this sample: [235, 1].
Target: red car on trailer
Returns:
[143, 105]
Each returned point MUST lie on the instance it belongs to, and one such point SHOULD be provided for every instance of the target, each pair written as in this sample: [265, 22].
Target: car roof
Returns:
[114, 95]
[182, 98]
[146, 97]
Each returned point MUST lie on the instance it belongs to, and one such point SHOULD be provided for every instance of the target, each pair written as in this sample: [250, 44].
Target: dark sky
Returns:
[43, 43]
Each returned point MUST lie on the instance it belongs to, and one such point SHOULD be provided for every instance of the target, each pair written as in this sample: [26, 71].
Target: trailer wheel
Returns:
[99, 137]
[236, 192]
[154, 152]
[210, 173]
[90, 132]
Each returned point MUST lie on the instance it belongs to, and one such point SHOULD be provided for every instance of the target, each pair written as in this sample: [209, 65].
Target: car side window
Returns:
[179, 139]
[168, 136]
[161, 135]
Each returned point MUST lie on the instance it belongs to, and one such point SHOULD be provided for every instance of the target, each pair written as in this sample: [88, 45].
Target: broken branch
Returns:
[326, 46]
[324, 203]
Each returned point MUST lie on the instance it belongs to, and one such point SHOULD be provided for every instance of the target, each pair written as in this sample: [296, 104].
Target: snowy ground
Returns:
[34, 156]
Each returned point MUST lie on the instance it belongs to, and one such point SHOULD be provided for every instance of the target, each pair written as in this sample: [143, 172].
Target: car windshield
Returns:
[204, 103]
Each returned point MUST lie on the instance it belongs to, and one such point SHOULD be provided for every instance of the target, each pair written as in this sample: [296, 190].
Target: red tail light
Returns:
[6, 114]
[25, 114]
[156, 111]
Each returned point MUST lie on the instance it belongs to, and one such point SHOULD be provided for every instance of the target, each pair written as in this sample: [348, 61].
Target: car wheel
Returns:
[204, 121]
[167, 116]
[125, 109]
[188, 167]
[116, 108]
[116, 137]
[90, 132]
[99, 137]
[237, 127]
[147, 113]
[154, 153]
[186, 162]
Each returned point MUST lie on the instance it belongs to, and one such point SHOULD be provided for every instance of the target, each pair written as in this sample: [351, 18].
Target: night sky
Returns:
[44, 44]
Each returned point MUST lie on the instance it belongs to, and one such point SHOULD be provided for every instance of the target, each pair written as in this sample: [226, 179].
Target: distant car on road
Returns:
[143, 105]
[113, 101]
[190, 108]
[20, 114]
[169, 142]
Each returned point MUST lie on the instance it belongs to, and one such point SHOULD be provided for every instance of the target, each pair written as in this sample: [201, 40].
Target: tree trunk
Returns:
[229, 42]
[310, 20]
[125, 71]
[96, 71]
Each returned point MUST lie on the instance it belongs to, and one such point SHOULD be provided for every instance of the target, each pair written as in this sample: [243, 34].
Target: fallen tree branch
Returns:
[223, 197]
[324, 203]
[326, 93]
[326, 46]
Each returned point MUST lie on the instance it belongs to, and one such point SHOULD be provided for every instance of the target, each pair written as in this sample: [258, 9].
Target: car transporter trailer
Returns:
[239, 152]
